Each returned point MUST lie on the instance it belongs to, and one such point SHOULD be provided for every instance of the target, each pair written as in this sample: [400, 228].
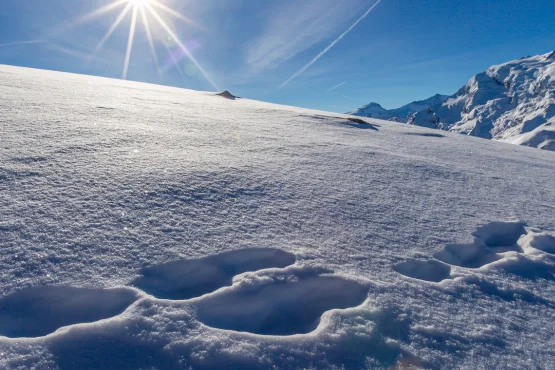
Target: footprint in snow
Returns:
[433, 271]
[272, 308]
[179, 280]
[470, 256]
[41, 311]
[503, 243]
[281, 308]
[541, 242]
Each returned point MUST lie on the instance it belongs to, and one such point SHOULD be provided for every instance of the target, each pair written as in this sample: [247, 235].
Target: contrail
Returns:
[302, 70]
[336, 86]
[15, 43]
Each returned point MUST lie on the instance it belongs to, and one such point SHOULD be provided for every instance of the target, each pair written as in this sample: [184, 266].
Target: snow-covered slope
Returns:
[149, 227]
[403, 114]
[510, 102]
[542, 137]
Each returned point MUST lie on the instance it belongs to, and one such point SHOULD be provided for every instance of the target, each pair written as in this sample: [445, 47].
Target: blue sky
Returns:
[401, 51]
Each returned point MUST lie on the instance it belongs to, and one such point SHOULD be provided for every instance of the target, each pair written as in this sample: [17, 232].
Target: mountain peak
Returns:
[373, 105]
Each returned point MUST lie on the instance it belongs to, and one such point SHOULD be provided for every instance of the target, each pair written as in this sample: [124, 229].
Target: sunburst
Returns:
[144, 9]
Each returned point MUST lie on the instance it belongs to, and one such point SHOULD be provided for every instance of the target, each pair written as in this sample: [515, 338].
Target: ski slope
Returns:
[151, 227]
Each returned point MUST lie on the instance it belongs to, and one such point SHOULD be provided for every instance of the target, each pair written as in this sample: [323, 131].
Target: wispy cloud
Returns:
[294, 27]
[323, 52]
[336, 86]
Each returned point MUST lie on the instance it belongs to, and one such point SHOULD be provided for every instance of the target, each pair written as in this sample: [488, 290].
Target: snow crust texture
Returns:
[146, 227]
[512, 102]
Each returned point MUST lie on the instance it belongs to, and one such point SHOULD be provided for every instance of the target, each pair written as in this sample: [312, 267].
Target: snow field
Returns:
[239, 234]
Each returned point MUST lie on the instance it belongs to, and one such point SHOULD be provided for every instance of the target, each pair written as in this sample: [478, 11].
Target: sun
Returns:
[146, 10]
[139, 3]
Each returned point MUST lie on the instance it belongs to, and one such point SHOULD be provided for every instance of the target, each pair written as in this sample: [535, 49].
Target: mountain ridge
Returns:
[401, 114]
[512, 102]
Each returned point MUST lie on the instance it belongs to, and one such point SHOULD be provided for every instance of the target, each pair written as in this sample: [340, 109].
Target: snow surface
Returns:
[151, 227]
[513, 102]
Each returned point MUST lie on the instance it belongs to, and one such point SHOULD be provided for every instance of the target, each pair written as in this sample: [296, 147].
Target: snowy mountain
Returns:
[512, 102]
[149, 227]
[374, 110]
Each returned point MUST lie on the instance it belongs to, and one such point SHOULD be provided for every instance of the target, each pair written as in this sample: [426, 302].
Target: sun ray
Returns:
[113, 27]
[99, 12]
[63, 28]
[181, 46]
[172, 12]
[141, 6]
[149, 37]
[130, 42]
[86, 18]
